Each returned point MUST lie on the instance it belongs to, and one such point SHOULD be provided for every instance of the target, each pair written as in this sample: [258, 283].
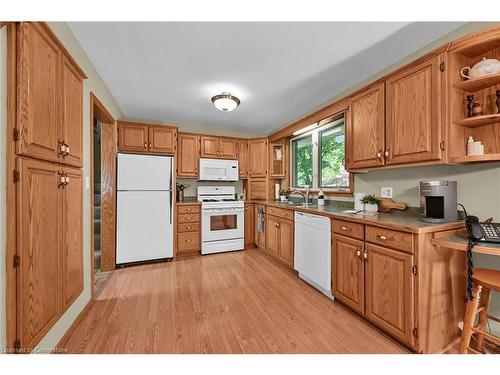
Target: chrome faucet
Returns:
[305, 196]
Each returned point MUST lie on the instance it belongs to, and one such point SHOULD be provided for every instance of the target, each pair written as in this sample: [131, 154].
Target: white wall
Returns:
[3, 182]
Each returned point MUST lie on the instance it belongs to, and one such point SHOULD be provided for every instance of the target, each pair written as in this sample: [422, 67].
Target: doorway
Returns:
[103, 195]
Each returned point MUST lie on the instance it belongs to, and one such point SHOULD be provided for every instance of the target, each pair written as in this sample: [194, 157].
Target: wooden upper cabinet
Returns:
[209, 147]
[414, 113]
[218, 147]
[162, 139]
[258, 157]
[72, 232]
[229, 148]
[38, 93]
[277, 162]
[72, 125]
[389, 291]
[365, 131]
[137, 137]
[348, 274]
[49, 97]
[243, 158]
[39, 247]
[188, 155]
[132, 137]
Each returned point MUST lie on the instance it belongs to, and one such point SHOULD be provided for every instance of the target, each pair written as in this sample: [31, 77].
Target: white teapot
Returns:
[483, 68]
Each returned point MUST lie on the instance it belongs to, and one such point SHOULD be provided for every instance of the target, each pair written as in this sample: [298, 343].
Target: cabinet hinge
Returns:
[16, 175]
[441, 66]
[17, 345]
[414, 270]
[415, 332]
[442, 146]
[16, 134]
[17, 260]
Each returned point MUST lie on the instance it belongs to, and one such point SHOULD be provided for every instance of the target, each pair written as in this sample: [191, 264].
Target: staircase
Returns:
[97, 227]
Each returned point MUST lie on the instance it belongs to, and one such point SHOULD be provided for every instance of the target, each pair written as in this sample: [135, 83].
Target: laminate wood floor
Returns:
[240, 302]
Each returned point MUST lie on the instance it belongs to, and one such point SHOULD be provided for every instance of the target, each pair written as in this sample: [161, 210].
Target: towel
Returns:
[260, 216]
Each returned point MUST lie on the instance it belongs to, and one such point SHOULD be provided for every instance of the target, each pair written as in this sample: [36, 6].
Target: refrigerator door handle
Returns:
[171, 208]
[171, 188]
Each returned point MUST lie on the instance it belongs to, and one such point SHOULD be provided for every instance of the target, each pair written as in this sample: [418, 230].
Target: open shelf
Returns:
[477, 84]
[475, 158]
[472, 122]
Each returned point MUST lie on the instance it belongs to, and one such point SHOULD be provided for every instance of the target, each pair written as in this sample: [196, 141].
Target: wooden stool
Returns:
[485, 280]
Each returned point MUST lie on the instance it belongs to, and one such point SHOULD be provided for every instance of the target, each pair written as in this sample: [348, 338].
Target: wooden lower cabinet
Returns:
[286, 242]
[72, 231]
[188, 229]
[389, 291]
[279, 239]
[348, 277]
[249, 225]
[272, 236]
[260, 230]
[49, 243]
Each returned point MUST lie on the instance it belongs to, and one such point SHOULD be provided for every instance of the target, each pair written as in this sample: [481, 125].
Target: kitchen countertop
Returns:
[189, 200]
[406, 220]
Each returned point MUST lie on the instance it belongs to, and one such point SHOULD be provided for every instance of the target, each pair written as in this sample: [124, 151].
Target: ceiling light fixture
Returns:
[225, 102]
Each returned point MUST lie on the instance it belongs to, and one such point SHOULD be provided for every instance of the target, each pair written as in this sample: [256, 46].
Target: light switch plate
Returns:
[386, 192]
[87, 182]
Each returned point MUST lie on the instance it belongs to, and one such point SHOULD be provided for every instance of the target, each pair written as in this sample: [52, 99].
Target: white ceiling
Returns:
[169, 71]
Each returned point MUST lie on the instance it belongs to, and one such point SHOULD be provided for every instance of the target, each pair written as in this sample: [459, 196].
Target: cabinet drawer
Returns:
[348, 228]
[287, 214]
[188, 227]
[389, 238]
[188, 218]
[181, 209]
[189, 241]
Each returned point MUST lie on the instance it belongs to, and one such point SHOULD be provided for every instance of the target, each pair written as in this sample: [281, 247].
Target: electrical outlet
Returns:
[386, 192]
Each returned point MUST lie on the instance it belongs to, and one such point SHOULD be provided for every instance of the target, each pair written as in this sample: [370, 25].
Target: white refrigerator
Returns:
[144, 224]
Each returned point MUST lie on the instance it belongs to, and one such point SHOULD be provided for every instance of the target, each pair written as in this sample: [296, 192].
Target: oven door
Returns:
[220, 224]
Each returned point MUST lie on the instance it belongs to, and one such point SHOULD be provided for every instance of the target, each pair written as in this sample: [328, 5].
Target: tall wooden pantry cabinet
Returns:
[48, 137]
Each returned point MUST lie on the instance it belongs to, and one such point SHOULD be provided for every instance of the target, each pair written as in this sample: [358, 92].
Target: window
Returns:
[318, 158]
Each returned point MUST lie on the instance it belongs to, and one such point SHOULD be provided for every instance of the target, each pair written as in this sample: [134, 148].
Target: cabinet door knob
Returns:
[358, 253]
[150, 145]
[365, 254]
[188, 209]
[379, 154]
[345, 228]
[188, 227]
[145, 145]
[188, 240]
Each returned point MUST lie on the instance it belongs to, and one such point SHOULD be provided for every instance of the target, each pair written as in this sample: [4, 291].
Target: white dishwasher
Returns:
[313, 254]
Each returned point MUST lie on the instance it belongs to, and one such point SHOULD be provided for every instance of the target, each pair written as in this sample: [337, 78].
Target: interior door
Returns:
[72, 232]
[285, 249]
[132, 137]
[365, 131]
[210, 147]
[414, 113]
[348, 276]
[72, 125]
[39, 246]
[39, 95]
[390, 291]
[162, 139]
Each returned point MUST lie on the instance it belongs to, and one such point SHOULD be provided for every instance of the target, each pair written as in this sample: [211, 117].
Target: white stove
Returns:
[222, 220]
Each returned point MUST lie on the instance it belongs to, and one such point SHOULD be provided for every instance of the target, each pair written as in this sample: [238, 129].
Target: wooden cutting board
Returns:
[387, 204]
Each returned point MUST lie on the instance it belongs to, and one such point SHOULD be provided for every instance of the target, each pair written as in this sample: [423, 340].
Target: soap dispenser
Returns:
[321, 198]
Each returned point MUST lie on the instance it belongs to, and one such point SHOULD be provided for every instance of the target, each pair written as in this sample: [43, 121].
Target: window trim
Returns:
[314, 133]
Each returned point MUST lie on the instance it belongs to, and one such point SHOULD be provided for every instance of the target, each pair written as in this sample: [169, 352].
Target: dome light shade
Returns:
[225, 102]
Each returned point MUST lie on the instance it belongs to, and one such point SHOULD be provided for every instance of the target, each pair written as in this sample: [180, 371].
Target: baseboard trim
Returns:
[73, 326]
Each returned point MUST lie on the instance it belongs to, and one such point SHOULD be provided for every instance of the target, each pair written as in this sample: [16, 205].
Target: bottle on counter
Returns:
[470, 145]
[321, 198]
